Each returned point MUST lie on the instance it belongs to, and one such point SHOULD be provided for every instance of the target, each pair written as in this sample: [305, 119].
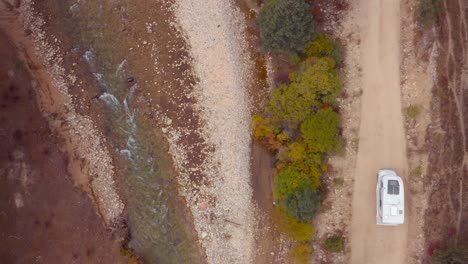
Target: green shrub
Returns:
[320, 131]
[297, 152]
[303, 204]
[322, 46]
[301, 253]
[316, 83]
[127, 251]
[452, 255]
[416, 171]
[19, 65]
[262, 127]
[265, 131]
[339, 181]
[302, 157]
[338, 53]
[428, 12]
[413, 111]
[286, 26]
[289, 105]
[319, 78]
[292, 227]
[335, 243]
[291, 178]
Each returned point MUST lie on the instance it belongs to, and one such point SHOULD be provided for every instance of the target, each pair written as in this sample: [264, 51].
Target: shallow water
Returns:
[161, 231]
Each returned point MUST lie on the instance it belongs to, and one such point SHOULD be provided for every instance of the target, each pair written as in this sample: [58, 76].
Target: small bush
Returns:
[322, 46]
[290, 179]
[303, 204]
[320, 131]
[286, 26]
[292, 227]
[318, 77]
[128, 252]
[263, 128]
[304, 158]
[338, 53]
[290, 106]
[339, 181]
[355, 143]
[301, 253]
[428, 12]
[416, 171]
[316, 83]
[451, 255]
[335, 243]
[265, 131]
[413, 111]
[19, 65]
[297, 152]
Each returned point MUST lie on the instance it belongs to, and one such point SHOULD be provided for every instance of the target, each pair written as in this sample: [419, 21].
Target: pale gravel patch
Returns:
[82, 138]
[214, 31]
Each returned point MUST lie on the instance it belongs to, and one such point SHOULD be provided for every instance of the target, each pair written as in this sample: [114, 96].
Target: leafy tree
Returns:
[297, 152]
[321, 46]
[262, 127]
[268, 133]
[316, 83]
[303, 204]
[324, 46]
[318, 76]
[290, 105]
[320, 130]
[291, 178]
[286, 26]
[301, 156]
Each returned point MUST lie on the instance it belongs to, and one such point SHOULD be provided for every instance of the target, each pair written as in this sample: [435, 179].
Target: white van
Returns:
[390, 198]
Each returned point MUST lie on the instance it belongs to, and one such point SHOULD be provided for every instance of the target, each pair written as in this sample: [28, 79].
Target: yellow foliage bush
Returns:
[301, 253]
[264, 130]
[295, 229]
[291, 178]
[262, 127]
[297, 152]
[321, 46]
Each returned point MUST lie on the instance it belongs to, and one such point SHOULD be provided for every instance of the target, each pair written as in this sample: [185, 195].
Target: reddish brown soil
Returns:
[43, 217]
[447, 179]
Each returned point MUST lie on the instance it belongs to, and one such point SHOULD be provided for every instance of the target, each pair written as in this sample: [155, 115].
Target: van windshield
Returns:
[393, 187]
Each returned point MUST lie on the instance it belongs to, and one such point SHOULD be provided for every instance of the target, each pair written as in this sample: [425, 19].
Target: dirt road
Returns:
[382, 139]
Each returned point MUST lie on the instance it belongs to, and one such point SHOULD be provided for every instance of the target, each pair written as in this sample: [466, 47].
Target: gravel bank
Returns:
[222, 208]
[82, 142]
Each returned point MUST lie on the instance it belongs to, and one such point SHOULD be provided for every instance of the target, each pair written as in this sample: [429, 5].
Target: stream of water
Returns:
[161, 231]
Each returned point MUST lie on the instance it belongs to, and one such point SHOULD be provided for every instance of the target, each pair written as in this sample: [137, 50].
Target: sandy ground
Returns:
[382, 138]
